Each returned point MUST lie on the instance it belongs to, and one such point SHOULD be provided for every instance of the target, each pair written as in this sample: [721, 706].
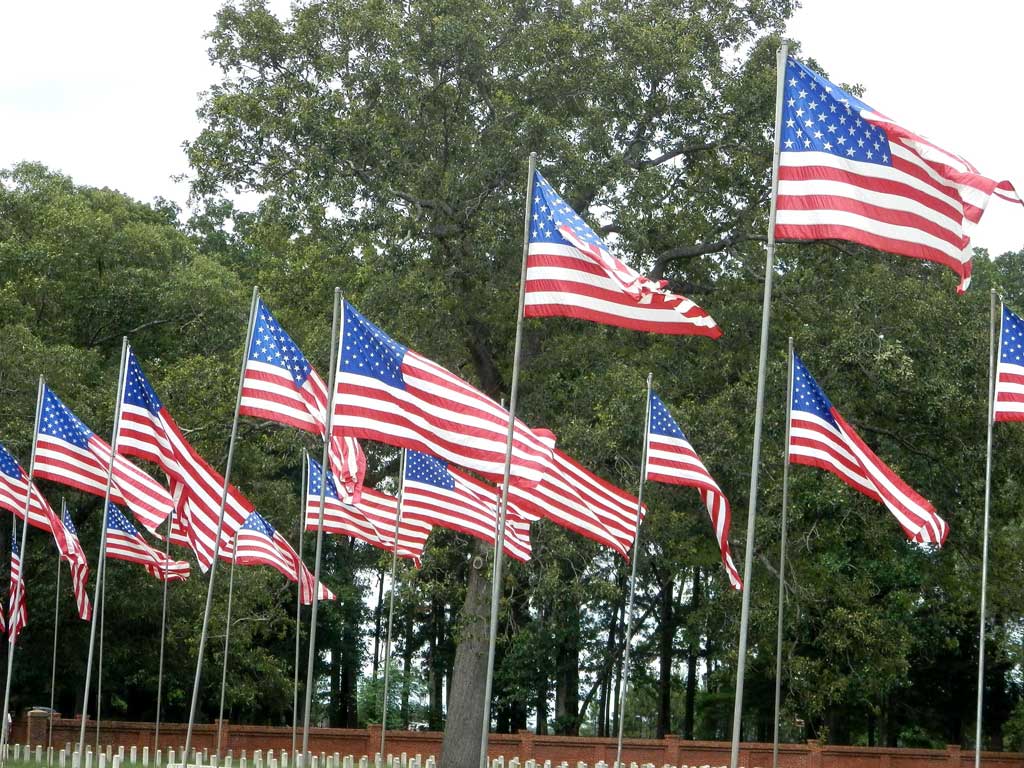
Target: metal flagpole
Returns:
[324, 469]
[988, 506]
[782, 561]
[99, 661]
[163, 638]
[4, 730]
[227, 640]
[220, 527]
[500, 540]
[391, 603]
[298, 596]
[755, 460]
[56, 624]
[632, 579]
[102, 560]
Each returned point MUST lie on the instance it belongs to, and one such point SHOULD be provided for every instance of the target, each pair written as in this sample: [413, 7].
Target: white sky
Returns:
[107, 91]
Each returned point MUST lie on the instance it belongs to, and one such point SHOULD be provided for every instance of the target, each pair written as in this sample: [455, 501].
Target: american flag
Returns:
[258, 543]
[571, 273]
[435, 493]
[568, 497]
[1009, 402]
[13, 487]
[280, 384]
[372, 519]
[820, 437]
[79, 569]
[850, 173]
[70, 453]
[17, 612]
[124, 542]
[671, 459]
[387, 392]
[148, 431]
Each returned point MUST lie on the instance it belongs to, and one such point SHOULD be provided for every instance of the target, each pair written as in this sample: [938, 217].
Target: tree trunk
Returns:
[378, 616]
[461, 745]
[350, 666]
[435, 674]
[692, 653]
[665, 636]
[567, 673]
[542, 708]
[407, 651]
[334, 714]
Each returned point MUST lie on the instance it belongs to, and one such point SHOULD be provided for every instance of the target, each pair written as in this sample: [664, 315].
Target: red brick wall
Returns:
[668, 751]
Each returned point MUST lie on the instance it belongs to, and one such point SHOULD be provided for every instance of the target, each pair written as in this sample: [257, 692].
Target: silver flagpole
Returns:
[324, 469]
[988, 506]
[163, 639]
[99, 661]
[4, 730]
[97, 596]
[755, 460]
[391, 603]
[220, 527]
[227, 640]
[298, 597]
[632, 578]
[500, 540]
[782, 561]
[56, 625]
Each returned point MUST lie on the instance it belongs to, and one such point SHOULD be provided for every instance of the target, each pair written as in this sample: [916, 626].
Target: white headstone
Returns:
[531, 763]
[109, 752]
[39, 753]
[513, 763]
[363, 762]
[241, 763]
[227, 760]
[103, 760]
[313, 761]
[62, 757]
[170, 756]
[116, 762]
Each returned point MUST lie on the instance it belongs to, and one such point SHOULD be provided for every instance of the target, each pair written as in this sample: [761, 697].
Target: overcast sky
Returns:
[107, 91]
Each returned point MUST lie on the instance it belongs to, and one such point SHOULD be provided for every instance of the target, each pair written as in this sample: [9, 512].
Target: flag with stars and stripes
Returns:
[13, 488]
[435, 493]
[280, 384]
[79, 569]
[1009, 400]
[259, 543]
[847, 172]
[571, 273]
[70, 453]
[148, 431]
[17, 612]
[389, 393]
[671, 459]
[372, 519]
[573, 497]
[124, 542]
[820, 437]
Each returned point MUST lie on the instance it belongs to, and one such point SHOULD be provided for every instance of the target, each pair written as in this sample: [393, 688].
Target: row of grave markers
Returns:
[133, 757]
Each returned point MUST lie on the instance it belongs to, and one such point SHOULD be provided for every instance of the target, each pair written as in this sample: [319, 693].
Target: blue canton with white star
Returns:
[137, 390]
[315, 473]
[368, 351]
[1011, 339]
[118, 522]
[423, 468]
[256, 522]
[271, 345]
[9, 465]
[818, 116]
[662, 422]
[69, 524]
[57, 421]
[549, 211]
[808, 397]
[15, 549]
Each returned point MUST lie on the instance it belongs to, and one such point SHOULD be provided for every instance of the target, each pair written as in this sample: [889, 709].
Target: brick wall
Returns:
[358, 741]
